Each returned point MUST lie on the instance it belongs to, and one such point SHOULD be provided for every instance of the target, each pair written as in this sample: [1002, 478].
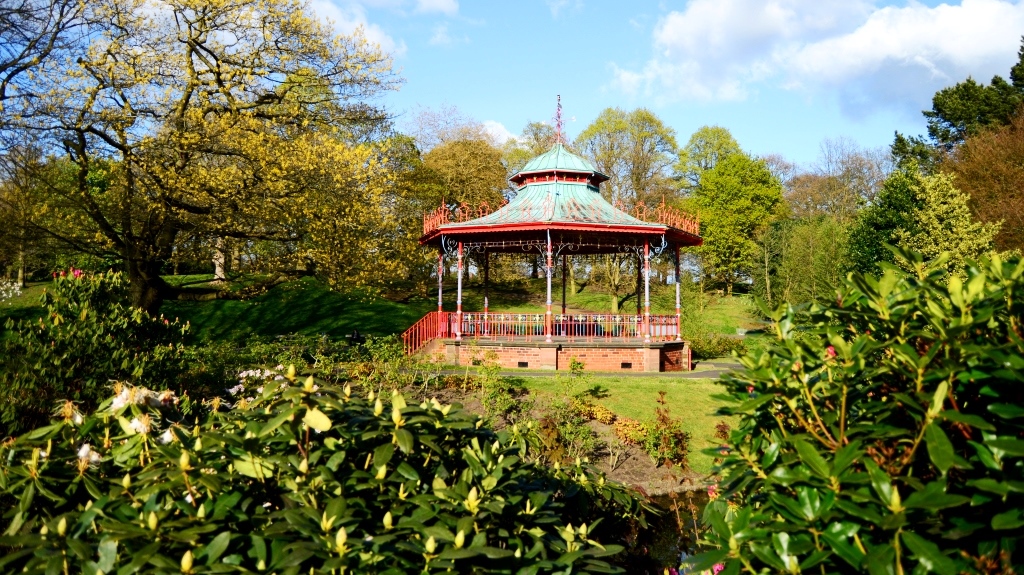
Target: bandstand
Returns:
[559, 212]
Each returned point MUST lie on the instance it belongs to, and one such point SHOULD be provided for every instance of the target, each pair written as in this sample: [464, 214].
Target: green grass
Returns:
[27, 306]
[636, 397]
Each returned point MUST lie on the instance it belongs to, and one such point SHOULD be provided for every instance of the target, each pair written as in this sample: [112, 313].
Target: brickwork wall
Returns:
[670, 358]
[607, 359]
[509, 357]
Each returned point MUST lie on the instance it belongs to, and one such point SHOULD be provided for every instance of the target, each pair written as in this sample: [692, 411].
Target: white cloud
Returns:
[449, 7]
[556, 6]
[498, 131]
[351, 17]
[441, 36]
[726, 49]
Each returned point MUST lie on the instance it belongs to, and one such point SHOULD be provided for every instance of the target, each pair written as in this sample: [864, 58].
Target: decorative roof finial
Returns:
[558, 121]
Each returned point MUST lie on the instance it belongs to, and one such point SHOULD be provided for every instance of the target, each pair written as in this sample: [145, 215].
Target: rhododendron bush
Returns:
[87, 337]
[881, 433]
[303, 477]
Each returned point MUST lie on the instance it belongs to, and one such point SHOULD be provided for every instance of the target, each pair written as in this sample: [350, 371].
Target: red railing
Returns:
[530, 327]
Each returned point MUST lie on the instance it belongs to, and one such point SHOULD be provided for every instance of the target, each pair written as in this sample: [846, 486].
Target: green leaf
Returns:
[108, 554]
[1009, 446]
[810, 457]
[940, 450]
[317, 420]
[382, 455]
[967, 418]
[217, 547]
[276, 422]
[928, 554]
[1011, 519]
[405, 440]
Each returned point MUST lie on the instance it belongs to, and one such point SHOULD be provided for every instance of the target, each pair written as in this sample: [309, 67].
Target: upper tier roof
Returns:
[558, 158]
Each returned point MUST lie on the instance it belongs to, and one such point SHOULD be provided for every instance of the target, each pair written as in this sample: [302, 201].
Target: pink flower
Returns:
[76, 273]
[712, 492]
[61, 273]
[718, 567]
[830, 351]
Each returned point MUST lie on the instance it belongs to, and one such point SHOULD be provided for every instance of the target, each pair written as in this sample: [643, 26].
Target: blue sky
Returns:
[781, 75]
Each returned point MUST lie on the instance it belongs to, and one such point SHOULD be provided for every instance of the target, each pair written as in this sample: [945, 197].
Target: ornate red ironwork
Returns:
[661, 214]
[511, 327]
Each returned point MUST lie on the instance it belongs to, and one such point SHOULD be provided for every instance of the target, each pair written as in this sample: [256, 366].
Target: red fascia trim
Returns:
[466, 230]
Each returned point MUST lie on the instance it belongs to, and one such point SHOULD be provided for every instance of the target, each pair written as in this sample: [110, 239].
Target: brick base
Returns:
[650, 357]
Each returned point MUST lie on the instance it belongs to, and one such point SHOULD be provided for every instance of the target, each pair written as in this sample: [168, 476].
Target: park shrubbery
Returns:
[882, 433]
[301, 478]
[88, 337]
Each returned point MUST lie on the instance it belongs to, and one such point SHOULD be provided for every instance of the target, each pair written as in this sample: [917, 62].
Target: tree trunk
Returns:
[572, 280]
[535, 271]
[236, 258]
[146, 289]
[219, 261]
[21, 265]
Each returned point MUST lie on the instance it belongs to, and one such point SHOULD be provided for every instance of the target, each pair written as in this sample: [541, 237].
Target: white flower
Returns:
[120, 400]
[236, 389]
[86, 453]
[166, 437]
[259, 389]
[77, 418]
[278, 377]
[279, 366]
[188, 497]
[139, 426]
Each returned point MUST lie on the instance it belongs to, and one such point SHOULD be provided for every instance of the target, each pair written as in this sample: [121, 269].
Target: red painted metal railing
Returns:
[530, 327]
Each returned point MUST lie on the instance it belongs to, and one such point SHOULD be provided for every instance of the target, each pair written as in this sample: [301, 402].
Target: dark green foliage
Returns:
[912, 151]
[665, 440]
[87, 338]
[882, 432]
[962, 109]
[303, 478]
[877, 225]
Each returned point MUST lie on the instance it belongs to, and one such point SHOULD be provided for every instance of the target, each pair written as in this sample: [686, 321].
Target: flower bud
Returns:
[186, 562]
[308, 384]
[304, 466]
[431, 545]
[388, 521]
[127, 481]
[341, 537]
[460, 539]
[378, 407]
[201, 513]
[62, 526]
[184, 461]
[396, 415]
[152, 521]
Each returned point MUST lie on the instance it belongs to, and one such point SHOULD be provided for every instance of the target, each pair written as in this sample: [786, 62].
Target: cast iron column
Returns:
[679, 314]
[458, 299]
[440, 302]
[547, 315]
[487, 279]
[647, 290]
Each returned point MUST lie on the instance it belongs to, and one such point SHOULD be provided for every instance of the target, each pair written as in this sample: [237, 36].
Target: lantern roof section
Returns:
[558, 160]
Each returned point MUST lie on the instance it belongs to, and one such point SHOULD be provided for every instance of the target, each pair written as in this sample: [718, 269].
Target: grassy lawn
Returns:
[636, 397]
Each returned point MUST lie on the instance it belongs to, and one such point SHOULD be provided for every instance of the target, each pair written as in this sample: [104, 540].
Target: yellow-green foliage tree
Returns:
[234, 119]
[737, 198]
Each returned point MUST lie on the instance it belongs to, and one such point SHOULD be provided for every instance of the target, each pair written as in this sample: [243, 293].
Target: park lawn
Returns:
[27, 306]
[636, 397]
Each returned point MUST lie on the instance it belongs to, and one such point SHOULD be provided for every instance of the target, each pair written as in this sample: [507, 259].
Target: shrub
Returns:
[299, 480]
[890, 441]
[711, 345]
[87, 338]
[502, 397]
[629, 431]
[664, 439]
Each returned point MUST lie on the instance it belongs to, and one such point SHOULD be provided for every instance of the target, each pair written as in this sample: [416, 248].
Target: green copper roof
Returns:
[558, 158]
[556, 202]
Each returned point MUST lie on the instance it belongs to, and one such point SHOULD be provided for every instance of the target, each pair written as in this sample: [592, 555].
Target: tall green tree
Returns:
[924, 213]
[236, 119]
[708, 146]
[737, 198]
[969, 106]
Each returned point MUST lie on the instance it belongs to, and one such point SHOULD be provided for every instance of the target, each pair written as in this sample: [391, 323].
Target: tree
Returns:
[31, 32]
[965, 108]
[636, 150]
[944, 225]
[705, 149]
[736, 199]
[266, 137]
[842, 180]
[989, 167]
[923, 213]
[535, 139]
